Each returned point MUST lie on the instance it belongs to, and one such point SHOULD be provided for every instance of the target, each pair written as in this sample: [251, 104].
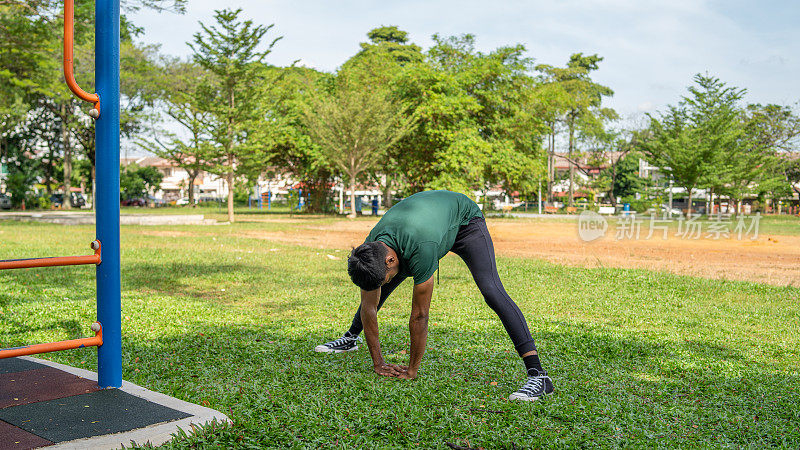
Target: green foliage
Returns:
[640, 205]
[791, 168]
[22, 169]
[702, 131]
[570, 97]
[474, 126]
[242, 194]
[138, 182]
[627, 181]
[770, 135]
[230, 51]
[709, 139]
[356, 121]
[34, 100]
[40, 202]
[180, 92]
[284, 142]
[480, 119]
[392, 41]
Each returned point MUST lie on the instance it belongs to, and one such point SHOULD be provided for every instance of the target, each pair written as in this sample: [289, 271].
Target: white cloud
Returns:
[645, 107]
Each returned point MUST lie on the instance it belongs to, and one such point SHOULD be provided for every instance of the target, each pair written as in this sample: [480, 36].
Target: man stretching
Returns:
[408, 241]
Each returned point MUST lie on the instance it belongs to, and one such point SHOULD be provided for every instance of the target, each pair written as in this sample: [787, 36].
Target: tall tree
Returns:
[550, 102]
[181, 102]
[282, 141]
[30, 59]
[770, 134]
[230, 51]
[355, 123]
[474, 127]
[392, 41]
[698, 140]
[581, 100]
[390, 53]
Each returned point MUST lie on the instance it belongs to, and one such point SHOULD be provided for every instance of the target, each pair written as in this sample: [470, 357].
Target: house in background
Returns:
[175, 184]
[207, 186]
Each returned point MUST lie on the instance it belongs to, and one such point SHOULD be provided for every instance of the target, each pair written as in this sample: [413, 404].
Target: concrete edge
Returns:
[155, 434]
[87, 218]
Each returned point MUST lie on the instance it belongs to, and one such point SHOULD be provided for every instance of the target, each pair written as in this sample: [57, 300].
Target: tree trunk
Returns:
[229, 178]
[352, 214]
[710, 207]
[230, 157]
[192, 177]
[552, 173]
[689, 209]
[611, 194]
[66, 203]
[551, 163]
[571, 165]
[48, 170]
[387, 192]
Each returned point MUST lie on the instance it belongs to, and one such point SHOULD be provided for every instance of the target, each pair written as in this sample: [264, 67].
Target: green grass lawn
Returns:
[638, 358]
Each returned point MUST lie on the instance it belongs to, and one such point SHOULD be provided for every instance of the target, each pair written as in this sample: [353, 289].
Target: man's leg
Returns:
[356, 327]
[474, 245]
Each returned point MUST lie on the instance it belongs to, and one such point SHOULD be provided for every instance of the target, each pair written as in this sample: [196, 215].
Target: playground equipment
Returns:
[108, 335]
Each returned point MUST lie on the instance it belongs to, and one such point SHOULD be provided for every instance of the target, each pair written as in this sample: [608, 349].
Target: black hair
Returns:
[366, 265]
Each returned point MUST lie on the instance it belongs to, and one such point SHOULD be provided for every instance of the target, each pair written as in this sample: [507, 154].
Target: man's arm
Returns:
[418, 325]
[369, 319]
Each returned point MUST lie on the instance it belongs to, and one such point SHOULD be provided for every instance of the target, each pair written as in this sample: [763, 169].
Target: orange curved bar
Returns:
[54, 261]
[95, 341]
[69, 71]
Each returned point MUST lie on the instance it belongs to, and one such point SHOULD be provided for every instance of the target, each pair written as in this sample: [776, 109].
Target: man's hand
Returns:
[391, 370]
[408, 374]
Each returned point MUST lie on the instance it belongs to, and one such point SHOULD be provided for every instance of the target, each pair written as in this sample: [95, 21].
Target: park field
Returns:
[647, 346]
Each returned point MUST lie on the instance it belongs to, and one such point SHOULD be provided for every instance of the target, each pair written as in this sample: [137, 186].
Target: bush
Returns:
[240, 197]
[640, 205]
[41, 202]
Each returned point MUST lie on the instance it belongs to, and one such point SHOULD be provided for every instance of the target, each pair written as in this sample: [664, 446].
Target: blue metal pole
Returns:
[109, 305]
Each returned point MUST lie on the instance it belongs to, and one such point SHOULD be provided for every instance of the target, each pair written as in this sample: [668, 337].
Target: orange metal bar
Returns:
[55, 261]
[95, 341]
[69, 71]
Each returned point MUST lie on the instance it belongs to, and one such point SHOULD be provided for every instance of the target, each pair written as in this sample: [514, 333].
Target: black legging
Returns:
[474, 245]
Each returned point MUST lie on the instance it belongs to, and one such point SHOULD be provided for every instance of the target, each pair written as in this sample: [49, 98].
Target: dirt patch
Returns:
[342, 235]
[769, 259]
[772, 259]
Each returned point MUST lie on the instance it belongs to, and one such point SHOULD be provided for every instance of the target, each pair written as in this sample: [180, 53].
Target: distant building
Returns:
[175, 184]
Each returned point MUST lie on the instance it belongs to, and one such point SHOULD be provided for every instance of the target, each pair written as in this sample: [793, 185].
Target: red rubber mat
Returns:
[38, 385]
[13, 438]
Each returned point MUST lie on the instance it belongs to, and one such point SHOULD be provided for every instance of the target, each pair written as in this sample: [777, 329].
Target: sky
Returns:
[651, 49]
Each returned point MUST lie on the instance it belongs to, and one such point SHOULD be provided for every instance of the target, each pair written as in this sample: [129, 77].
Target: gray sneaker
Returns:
[343, 344]
[536, 386]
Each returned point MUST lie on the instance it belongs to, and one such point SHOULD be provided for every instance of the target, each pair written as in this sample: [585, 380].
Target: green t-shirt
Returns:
[422, 229]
